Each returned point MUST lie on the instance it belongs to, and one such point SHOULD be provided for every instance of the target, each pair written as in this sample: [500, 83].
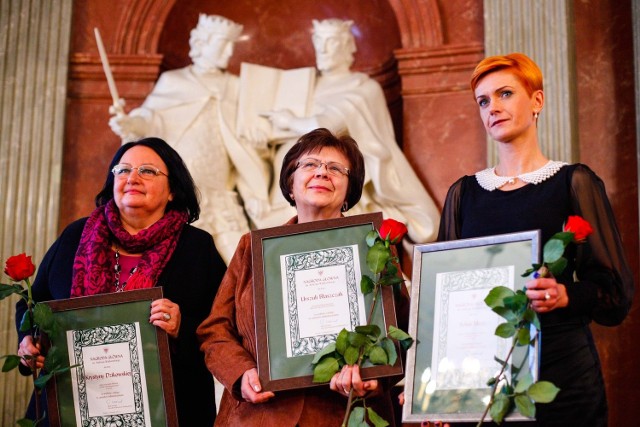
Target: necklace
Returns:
[488, 179]
[117, 269]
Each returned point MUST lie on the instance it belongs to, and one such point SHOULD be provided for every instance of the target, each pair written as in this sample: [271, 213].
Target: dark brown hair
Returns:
[313, 142]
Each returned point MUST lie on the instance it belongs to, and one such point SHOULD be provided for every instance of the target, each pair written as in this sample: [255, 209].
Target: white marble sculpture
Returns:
[194, 109]
[346, 101]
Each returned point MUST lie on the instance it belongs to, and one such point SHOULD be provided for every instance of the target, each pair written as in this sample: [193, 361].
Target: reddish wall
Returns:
[422, 51]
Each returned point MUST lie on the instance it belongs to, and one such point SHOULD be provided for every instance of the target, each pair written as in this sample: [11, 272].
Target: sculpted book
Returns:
[264, 89]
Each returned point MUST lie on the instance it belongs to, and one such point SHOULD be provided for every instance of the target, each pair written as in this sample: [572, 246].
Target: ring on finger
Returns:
[547, 296]
[166, 316]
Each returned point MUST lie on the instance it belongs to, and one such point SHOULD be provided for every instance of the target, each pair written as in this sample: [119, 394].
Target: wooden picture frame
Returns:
[284, 352]
[125, 368]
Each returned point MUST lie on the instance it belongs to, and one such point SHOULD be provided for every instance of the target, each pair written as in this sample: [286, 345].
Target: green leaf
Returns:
[372, 331]
[8, 290]
[25, 422]
[55, 359]
[366, 285]
[358, 340]
[505, 330]
[405, 340]
[525, 406]
[523, 337]
[543, 392]
[499, 360]
[390, 268]
[565, 236]
[556, 268]
[377, 257]
[25, 323]
[43, 317]
[507, 390]
[356, 418]
[376, 419]
[391, 280]
[42, 380]
[528, 272]
[406, 344]
[397, 333]
[324, 370]
[371, 237]
[11, 362]
[378, 356]
[351, 355]
[524, 383]
[500, 407]
[342, 341]
[62, 370]
[496, 296]
[390, 349]
[534, 267]
[553, 250]
[329, 349]
[518, 302]
[506, 313]
[531, 317]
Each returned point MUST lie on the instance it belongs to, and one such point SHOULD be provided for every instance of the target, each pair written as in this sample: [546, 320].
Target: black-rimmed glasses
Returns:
[123, 170]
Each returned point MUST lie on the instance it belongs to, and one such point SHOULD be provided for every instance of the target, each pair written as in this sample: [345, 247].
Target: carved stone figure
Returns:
[194, 109]
[346, 101]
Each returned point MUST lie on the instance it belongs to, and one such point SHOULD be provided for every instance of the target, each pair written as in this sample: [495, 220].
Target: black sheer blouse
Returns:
[602, 287]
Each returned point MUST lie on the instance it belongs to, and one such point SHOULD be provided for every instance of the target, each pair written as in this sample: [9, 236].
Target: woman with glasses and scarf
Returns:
[139, 237]
[322, 176]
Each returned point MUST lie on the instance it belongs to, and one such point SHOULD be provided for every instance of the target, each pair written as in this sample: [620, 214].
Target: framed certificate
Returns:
[306, 280]
[123, 375]
[454, 354]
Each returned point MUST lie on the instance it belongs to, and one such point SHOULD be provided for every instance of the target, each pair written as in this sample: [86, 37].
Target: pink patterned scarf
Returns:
[93, 267]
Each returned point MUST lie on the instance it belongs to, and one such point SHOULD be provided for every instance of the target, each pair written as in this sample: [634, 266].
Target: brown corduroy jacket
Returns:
[229, 342]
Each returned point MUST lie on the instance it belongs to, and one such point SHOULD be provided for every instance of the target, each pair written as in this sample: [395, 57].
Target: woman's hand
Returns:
[166, 315]
[349, 378]
[250, 388]
[546, 294]
[28, 348]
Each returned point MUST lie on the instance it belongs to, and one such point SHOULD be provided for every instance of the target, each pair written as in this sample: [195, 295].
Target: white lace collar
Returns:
[488, 179]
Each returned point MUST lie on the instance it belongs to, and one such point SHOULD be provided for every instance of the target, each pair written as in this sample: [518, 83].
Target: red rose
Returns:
[579, 227]
[19, 267]
[392, 230]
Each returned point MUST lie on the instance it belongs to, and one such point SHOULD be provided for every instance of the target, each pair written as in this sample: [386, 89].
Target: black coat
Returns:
[190, 279]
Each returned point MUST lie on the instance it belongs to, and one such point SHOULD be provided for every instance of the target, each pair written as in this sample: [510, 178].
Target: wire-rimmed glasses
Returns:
[123, 170]
[333, 168]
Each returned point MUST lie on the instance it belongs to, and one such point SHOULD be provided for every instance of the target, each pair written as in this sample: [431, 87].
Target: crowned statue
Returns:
[352, 102]
[194, 109]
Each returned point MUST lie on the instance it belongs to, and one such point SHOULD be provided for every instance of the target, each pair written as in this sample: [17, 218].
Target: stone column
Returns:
[542, 30]
[34, 46]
